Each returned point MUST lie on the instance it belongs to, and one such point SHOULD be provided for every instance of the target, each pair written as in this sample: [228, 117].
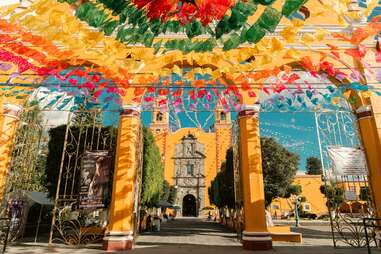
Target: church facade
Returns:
[191, 158]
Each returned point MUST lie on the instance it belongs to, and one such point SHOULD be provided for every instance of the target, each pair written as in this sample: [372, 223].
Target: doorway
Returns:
[189, 206]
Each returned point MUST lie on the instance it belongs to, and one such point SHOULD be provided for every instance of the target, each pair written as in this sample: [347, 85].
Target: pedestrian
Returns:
[156, 223]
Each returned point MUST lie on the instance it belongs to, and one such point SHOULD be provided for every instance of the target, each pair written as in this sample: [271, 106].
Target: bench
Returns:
[284, 234]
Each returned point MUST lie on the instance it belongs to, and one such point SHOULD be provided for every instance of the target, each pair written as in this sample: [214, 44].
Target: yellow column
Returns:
[119, 235]
[9, 116]
[372, 146]
[255, 235]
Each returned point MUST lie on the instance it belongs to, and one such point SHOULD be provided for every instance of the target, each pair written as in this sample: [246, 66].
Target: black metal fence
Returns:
[372, 229]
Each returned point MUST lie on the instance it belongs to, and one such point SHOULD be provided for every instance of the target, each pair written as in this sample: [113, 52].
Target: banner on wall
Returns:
[95, 177]
[348, 161]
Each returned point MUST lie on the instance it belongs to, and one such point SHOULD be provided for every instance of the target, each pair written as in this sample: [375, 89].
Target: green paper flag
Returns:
[269, 19]
[232, 42]
[291, 6]
[254, 34]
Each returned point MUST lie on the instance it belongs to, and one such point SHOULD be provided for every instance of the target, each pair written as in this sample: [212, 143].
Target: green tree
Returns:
[165, 191]
[313, 166]
[365, 194]
[334, 195]
[221, 191]
[215, 190]
[72, 165]
[172, 194]
[227, 186]
[86, 117]
[168, 193]
[28, 157]
[279, 169]
[293, 190]
[152, 182]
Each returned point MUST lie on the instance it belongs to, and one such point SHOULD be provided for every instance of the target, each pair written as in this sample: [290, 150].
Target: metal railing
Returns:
[375, 225]
[4, 229]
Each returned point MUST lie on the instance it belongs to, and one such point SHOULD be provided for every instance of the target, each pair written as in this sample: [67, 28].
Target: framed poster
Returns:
[95, 177]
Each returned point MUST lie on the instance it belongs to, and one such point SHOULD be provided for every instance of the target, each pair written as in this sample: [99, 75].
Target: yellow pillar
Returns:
[255, 235]
[119, 235]
[9, 116]
[372, 146]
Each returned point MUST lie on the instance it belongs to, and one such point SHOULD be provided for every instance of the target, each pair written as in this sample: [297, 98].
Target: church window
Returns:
[190, 169]
[223, 116]
[306, 207]
[159, 117]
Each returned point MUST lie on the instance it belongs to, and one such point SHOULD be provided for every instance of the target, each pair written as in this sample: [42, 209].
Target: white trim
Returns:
[130, 232]
[255, 238]
[289, 233]
[252, 233]
[119, 236]
[13, 109]
[365, 108]
[256, 107]
[132, 107]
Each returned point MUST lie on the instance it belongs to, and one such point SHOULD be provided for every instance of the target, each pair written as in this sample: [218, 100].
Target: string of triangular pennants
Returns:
[23, 53]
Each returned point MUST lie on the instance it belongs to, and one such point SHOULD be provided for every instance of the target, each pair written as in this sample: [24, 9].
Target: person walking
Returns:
[156, 223]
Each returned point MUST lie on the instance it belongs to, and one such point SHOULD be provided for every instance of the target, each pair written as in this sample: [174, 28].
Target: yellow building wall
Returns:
[215, 143]
[310, 190]
[223, 143]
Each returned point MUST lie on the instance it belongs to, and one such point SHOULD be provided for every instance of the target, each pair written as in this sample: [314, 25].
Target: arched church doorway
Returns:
[189, 206]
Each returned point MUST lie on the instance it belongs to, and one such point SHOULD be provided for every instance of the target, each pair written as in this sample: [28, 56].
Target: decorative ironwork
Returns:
[350, 199]
[373, 224]
[4, 232]
[86, 131]
[26, 168]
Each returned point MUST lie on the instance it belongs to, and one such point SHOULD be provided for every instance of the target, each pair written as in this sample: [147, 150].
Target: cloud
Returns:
[8, 2]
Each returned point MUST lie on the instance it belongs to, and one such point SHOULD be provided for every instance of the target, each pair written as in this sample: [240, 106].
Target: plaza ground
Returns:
[196, 236]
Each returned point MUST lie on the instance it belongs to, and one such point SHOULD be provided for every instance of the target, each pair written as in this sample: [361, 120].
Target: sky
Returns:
[7, 2]
[295, 131]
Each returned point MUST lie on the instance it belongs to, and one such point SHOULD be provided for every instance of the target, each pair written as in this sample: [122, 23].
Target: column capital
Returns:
[249, 110]
[12, 110]
[130, 110]
[364, 111]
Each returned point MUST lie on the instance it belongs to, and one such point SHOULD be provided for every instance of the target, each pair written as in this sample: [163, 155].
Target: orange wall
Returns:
[215, 145]
[311, 190]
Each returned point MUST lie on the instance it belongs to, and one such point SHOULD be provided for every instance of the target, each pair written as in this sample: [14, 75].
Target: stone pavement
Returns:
[195, 236]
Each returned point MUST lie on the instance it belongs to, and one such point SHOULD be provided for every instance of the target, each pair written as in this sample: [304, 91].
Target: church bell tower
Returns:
[159, 121]
[223, 129]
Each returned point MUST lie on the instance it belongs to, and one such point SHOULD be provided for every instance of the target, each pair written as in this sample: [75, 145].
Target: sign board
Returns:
[95, 174]
[350, 195]
[348, 161]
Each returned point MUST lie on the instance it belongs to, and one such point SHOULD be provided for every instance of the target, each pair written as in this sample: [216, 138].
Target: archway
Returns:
[126, 165]
[189, 206]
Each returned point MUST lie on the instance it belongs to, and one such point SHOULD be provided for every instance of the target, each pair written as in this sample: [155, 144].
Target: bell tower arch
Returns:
[159, 120]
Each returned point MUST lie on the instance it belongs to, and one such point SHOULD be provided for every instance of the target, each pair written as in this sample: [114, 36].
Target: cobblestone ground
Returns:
[195, 236]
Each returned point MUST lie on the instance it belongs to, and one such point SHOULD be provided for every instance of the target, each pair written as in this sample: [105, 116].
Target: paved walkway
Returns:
[195, 236]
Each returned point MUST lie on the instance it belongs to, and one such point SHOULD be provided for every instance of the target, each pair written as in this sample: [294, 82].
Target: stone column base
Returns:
[257, 240]
[118, 241]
